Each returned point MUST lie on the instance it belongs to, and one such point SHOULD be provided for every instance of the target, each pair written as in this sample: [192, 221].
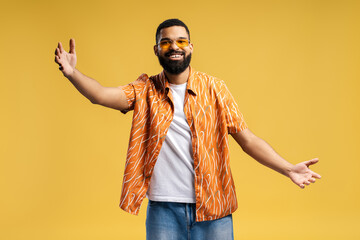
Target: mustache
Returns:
[174, 52]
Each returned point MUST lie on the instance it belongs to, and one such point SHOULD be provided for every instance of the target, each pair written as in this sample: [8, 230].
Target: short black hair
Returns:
[169, 23]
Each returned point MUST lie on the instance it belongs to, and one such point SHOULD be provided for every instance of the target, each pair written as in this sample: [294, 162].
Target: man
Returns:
[181, 121]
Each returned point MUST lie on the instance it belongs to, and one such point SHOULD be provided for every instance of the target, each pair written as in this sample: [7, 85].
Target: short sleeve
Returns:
[234, 118]
[133, 91]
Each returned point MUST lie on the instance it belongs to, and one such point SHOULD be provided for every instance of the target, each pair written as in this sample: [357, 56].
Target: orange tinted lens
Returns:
[164, 44]
[181, 43]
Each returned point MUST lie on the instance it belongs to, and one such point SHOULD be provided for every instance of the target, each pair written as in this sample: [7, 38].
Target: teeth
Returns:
[175, 56]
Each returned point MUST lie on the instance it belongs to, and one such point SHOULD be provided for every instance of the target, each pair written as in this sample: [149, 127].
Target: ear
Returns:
[191, 46]
[156, 50]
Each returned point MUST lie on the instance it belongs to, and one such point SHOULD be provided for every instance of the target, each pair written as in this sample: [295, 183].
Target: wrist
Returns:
[288, 169]
[70, 75]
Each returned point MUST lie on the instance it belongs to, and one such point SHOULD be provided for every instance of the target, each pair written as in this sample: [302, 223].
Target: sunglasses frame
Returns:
[169, 42]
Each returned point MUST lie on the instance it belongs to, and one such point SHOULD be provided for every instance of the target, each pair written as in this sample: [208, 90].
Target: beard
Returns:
[174, 67]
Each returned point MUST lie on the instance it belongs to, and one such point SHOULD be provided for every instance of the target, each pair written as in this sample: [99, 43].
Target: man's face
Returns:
[174, 59]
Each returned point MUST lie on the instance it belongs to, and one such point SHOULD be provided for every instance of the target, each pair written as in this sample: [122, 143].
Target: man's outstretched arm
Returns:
[261, 151]
[112, 97]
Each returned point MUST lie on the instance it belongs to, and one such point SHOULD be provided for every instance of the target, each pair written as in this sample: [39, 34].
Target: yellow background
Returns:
[292, 66]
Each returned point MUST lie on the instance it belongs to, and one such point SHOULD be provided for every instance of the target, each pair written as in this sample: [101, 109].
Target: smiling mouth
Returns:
[175, 55]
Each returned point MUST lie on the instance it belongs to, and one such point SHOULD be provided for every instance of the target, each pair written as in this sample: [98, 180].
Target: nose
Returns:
[173, 45]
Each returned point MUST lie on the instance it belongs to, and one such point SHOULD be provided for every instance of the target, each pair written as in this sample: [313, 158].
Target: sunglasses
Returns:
[181, 43]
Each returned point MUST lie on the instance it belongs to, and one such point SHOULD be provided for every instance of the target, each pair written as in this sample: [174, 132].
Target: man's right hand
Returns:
[112, 97]
[66, 60]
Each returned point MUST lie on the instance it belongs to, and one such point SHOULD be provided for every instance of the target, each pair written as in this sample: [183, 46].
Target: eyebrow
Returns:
[171, 39]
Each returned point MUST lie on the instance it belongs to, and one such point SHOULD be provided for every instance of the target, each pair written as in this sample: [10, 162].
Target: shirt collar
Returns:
[191, 83]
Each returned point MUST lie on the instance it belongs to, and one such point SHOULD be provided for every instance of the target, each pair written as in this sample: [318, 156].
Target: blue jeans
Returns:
[176, 221]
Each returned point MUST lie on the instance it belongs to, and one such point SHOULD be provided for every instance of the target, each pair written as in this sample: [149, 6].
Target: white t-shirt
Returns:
[173, 176]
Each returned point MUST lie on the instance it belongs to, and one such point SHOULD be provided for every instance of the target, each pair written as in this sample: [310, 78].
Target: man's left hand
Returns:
[301, 175]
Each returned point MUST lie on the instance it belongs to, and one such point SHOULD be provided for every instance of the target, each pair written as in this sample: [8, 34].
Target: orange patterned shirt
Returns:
[211, 113]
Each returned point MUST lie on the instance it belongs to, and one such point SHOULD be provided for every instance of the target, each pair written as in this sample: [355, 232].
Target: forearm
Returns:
[261, 151]
[87, 86]
[266, 155]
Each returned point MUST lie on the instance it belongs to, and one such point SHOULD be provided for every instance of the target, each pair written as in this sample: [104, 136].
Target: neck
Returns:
[178, 78]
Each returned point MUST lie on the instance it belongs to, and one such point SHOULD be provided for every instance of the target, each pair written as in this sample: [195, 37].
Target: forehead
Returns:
[173, 32]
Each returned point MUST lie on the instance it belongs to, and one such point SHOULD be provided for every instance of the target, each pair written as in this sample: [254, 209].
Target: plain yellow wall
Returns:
[292, 66]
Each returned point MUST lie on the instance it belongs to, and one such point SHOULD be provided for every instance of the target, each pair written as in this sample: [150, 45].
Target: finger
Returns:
[312, 180]
[57, 60]
[314, 174]
[302, 186]
[311, 162]
[60, 47]
[307, 182]
[57, 52]
[72, 45]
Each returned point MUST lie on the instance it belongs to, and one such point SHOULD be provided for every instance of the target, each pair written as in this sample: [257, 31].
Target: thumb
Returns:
[72, 45]
[311, 162]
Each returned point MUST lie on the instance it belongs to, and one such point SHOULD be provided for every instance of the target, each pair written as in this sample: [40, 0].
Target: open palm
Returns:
[66, 60]
[301, 175]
